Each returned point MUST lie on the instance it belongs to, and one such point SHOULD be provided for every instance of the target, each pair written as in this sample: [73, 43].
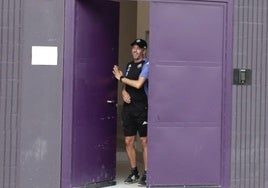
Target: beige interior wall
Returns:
[127, 33]
[143, 12]
[134, 22]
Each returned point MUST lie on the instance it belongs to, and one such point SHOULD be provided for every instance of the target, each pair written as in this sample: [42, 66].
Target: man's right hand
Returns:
[126, 96]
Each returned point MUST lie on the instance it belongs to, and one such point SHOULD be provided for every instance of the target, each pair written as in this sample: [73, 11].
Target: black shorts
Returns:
[134, 118]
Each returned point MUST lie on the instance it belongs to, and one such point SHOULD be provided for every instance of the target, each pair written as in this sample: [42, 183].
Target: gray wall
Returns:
[41, 96]
[31, 96]
[9, 90]
[250, 113]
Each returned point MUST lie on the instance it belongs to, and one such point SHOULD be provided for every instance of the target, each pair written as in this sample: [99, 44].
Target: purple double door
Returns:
[189, 93]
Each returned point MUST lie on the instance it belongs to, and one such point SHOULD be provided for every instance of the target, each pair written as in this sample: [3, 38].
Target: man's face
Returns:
[137, 53]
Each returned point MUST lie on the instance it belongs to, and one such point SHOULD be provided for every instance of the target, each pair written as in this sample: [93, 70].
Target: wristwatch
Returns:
[121, 77]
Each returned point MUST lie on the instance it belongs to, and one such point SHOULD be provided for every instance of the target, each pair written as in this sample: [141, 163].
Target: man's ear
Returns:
[144, 52]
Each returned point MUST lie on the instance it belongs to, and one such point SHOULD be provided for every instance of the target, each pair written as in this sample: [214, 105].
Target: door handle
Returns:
[110, 101]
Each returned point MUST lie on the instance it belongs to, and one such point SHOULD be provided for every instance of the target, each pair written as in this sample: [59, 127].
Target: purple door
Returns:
[189, 97]
[89, 135]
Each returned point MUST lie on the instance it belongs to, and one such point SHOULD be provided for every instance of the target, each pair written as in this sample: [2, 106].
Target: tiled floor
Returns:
[122, 172]
[123, 168]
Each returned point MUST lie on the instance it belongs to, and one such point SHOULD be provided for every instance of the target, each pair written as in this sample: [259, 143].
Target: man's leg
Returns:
[142, 181]
[144, 147]
[131, 151]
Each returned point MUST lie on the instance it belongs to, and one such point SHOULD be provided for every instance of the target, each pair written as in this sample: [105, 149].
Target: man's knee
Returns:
[143, 141]
[129, 140]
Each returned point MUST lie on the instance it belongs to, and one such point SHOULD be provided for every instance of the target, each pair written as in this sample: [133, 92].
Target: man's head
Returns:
[138, 51]
[140, 42]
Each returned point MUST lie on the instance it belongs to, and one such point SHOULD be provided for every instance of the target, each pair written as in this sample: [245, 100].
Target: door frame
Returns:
[68, 83]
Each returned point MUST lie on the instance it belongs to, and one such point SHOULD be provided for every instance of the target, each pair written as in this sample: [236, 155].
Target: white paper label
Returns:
[44, 55]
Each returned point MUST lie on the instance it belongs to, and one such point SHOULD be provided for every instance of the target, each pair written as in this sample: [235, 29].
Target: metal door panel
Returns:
[94, 136]
[185, 155]
[94, 94]
[188, 93]
[188, 30]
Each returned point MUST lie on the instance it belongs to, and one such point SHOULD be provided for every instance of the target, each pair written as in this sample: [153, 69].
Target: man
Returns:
[134, 113]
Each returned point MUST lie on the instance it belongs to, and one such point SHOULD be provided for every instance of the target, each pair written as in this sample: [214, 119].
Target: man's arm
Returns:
[133, 83]
[125, 95]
